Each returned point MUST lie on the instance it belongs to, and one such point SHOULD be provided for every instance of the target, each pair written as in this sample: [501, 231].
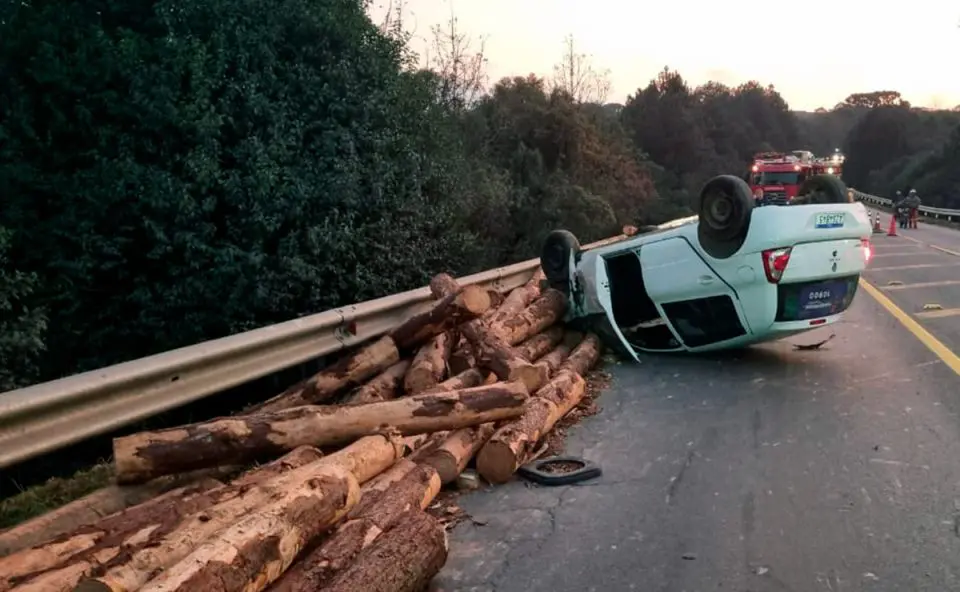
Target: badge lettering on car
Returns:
[830, 220]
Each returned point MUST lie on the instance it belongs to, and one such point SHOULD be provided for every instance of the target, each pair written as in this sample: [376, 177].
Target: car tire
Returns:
[822, 189]
[724, 215]
[555, 258]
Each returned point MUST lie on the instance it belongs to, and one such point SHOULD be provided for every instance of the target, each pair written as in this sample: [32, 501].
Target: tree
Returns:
[877, 98]
[576, 76]
[21, 326]
[462, 70]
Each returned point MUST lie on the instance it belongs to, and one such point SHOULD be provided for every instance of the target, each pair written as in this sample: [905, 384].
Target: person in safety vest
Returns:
[912, 203]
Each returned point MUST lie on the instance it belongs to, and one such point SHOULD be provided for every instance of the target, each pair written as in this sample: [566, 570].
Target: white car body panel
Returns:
[675, 268]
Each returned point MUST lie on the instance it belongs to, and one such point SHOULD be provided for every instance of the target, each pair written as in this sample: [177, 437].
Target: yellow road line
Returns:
[914, 266]
[922, 285]
[933, 344]
[947, 251]
[936, 314]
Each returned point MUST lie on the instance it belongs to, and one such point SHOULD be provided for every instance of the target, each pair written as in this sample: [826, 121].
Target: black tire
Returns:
[822, 189]
[555, 258]
[725, 207]
[534, 472]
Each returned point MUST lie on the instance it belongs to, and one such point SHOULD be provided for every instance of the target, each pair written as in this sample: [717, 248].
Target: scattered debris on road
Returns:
[813, 346]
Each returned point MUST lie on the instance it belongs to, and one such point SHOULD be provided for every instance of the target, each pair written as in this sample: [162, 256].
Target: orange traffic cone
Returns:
[876, 222]
[893, 226]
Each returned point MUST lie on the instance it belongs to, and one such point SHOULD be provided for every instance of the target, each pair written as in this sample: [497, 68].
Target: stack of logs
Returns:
[341, 506]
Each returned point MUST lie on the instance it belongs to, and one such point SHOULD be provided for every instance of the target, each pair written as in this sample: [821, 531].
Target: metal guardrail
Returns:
[927, 211]
[52, 415]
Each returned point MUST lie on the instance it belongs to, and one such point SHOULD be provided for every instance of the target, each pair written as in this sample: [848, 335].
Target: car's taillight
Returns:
[867, 249]
[774, 262]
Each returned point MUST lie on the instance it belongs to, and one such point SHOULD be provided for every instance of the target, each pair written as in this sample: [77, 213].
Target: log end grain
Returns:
[475, 300]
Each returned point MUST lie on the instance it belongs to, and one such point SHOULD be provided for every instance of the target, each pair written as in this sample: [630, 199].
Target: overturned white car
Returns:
[730, 277]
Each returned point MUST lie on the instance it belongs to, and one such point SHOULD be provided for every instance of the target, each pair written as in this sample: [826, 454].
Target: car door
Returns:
[604, 298]
[700, 308]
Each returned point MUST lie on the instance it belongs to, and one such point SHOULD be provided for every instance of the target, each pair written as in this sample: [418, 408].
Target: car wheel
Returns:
[724, 217]
[822, 189]
[555, 256]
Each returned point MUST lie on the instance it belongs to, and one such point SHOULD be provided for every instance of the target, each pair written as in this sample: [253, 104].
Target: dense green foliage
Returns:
[175, 171]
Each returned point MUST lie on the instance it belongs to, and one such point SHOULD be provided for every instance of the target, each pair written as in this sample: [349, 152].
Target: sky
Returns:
[814, 53]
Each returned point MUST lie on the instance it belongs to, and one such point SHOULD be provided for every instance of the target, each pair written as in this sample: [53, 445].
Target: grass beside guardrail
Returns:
[56, 492]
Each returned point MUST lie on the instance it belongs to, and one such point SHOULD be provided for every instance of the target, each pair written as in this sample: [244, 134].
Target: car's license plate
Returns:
[830, 220]
[821, 300]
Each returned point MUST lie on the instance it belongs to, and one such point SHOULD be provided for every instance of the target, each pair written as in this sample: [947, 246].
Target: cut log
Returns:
[363, 459]
[540, 344]
[365, 523]
[238, 439]
[495, 355]
[511, 445]
[429, 366]
[386, 479]
[496, 299]
[403, 559]
[519, 298]
[254, 552]
[349, 372]
[384, 387]
[584, 356]
[454, 309]
[469, 378]
[433, 440]
[462, 357]
[90, 509]
[452, 455]
[79, 553]
[542, 312]
[413, 443]
[443, 285]
[552, 362]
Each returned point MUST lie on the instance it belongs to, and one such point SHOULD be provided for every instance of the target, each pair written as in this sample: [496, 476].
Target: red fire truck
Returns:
[775, 177]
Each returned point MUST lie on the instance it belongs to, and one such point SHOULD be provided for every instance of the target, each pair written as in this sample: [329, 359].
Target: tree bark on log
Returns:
[363, 459]
[238, 439]
[413, 443]
[73, 556]
[91, 509]
[254, 552]
[584, 356]
[386, 479]
[552, 362]
[542, 312]
[455, 309]
[519, 299]
[494, 354]
[450, 458]
[349, 372]
[365, 523]
[511, 445]
[429, 366]
[403, 559]
[443, 285]
[434, 440]
[467, 379]
[384, 387]
[541, 344]
[462, 357]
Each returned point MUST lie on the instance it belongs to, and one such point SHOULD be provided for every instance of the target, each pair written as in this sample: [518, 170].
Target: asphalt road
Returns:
[764, 470]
